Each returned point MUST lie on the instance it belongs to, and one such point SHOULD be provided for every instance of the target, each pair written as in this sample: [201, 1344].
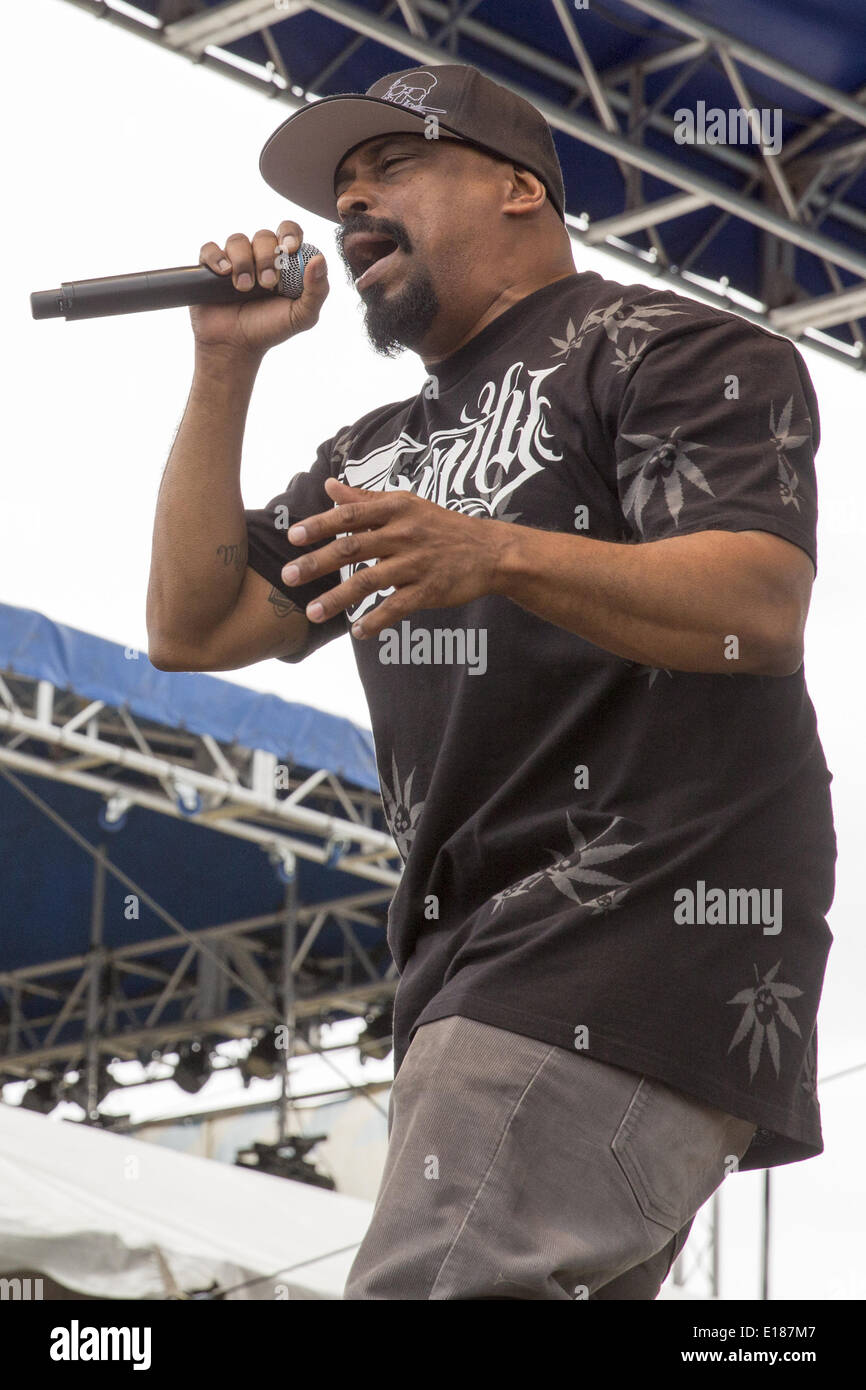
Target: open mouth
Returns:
[365, 251]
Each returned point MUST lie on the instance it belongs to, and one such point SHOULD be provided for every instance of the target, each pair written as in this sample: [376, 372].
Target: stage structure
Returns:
[184, 862]
[763, 213]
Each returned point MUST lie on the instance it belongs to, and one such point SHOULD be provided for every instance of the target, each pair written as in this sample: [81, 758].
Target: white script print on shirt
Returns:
[474, 467]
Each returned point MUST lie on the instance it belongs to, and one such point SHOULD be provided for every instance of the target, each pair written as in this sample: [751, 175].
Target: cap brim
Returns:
[301, 157]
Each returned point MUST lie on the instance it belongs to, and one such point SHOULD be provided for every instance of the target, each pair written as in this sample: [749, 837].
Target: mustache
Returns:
[379, 226]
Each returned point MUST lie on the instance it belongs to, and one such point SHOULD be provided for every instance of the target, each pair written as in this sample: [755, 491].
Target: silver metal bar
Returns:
[236, 1024]
[226, 23]
[68, 1005]
[770, 160]
[171, 985]
[94, 986]
[238, 829]
[414, 22]
[587, 67]
[307, 786]
[454, 22]
[817, 129]
[309, 940]
[45, 701]
[818, 313]
[617, 145]
[351, 810]
[680, 54]
[239, 950]
[221, 762]
[136, 888]
[83, 716]
[661, 101]
[753, 57]
[352, 940]
[661, 211]
[288, 1002]
[301, 818]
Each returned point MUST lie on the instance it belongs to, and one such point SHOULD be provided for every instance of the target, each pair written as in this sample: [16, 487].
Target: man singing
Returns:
[575, 569]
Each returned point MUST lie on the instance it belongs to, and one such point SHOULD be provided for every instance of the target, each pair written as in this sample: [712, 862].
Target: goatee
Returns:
[402, 319]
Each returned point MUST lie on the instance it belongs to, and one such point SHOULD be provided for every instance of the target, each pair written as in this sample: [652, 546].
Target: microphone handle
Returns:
[150, 289]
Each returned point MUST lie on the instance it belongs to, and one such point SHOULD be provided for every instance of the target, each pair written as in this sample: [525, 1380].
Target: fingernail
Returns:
[297, 535]
[269, 277]
[289, 243]
[224, 264]
[315, 611]
[358, 630]
[290, 574]
[244, 281]
[319, 271]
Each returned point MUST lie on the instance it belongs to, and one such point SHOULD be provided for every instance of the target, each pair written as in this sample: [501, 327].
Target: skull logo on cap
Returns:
[415, 96]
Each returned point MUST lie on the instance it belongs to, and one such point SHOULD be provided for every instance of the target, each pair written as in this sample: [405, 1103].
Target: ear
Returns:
[526, 195]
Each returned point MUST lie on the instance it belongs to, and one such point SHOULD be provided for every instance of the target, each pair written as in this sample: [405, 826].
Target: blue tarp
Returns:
[32, 645]
[199, 875]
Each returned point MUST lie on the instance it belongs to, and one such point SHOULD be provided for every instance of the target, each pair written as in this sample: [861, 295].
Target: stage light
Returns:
[286, 1160]
[264, 1059]
[41, 1097]
[193, 1070]
[376, 1040]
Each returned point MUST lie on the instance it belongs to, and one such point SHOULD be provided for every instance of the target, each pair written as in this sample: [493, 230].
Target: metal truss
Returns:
[695, 1271]
[218, 982]
[791, 198]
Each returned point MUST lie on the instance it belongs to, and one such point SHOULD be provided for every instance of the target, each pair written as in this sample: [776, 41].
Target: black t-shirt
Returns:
[580, 832]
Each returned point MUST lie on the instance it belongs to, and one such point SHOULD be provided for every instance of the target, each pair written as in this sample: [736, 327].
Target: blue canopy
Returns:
[32, 645]
[200, 876]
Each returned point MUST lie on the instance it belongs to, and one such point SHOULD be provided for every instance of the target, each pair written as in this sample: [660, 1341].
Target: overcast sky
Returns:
[119, 157]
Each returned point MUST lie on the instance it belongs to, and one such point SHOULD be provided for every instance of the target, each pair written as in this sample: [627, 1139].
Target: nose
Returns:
[355, 197]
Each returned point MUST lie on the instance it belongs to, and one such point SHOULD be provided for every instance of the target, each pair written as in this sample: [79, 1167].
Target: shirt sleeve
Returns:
[269, 549]
[717, 430]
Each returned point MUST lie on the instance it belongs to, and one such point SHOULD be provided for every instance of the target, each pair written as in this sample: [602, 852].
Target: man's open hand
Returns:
[433, 557]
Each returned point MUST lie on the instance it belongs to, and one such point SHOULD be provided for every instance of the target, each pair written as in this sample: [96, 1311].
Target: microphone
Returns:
[165, 289]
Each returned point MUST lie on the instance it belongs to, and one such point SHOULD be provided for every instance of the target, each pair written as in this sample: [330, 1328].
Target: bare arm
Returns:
[206, 609]
[675, 603]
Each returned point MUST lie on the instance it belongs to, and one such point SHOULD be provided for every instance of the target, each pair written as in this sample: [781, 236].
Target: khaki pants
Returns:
[519, 1170]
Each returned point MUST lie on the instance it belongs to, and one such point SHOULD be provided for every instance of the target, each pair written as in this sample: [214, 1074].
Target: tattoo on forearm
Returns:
[233, 555]
[281, 605]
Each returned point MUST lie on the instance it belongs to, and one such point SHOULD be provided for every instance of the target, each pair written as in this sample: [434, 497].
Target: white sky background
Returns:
[119, 157]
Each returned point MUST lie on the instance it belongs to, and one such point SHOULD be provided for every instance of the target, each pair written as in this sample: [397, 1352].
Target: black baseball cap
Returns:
[301, 158]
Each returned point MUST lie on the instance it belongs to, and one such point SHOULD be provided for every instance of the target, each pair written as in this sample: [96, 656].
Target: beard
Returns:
[402, 319]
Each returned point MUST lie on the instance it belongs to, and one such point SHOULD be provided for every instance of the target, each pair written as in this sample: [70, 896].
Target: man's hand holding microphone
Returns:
[251, 329]
[206, 609]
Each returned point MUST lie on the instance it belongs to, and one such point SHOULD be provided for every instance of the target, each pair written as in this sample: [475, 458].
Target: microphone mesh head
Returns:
[291, 266]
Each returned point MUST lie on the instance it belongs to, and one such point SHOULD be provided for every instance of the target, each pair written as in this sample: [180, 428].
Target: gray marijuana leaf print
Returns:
[764, 1007]
[783, 440]
[614, 319]
[577, 867]
[665, 459]
[652, 672]
[403, 815]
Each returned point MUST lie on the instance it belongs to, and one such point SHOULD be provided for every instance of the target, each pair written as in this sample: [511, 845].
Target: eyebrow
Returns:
[375, 146]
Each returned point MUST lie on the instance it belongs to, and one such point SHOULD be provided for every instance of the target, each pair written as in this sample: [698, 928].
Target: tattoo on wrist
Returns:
[233, 555]
[281, 605]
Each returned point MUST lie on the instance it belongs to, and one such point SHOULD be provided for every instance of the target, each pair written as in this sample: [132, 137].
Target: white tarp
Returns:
[114, 1217]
